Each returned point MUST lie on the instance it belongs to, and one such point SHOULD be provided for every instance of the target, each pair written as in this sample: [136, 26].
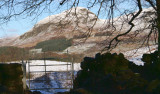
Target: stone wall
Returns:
[11, 79]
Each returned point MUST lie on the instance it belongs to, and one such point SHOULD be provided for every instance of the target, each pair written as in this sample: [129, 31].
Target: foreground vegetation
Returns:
[113, 74]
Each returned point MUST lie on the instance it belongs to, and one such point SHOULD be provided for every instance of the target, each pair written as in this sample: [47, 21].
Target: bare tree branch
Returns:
[130, 23]
[152, 4]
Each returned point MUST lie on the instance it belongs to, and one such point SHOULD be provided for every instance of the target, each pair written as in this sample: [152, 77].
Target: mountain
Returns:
[66, 24]
[87, 31]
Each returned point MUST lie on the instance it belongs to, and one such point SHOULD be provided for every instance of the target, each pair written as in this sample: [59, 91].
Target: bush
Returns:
[54, 44]
[108, 74]
[151, 68]
[113, 74]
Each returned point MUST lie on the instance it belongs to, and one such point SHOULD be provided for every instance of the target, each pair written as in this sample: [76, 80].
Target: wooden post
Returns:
[72, 71]
[67, 67]
[45, 67]
[29, 73]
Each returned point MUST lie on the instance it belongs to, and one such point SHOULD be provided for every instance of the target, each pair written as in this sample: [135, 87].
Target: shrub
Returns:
[113, 74]
[108, 74]
[151, 68]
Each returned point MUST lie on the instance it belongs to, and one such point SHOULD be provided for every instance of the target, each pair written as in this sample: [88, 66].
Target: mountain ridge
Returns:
[70, 25]
[84, 27]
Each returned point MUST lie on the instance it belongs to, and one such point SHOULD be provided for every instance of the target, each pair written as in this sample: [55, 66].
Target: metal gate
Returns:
[50, 79]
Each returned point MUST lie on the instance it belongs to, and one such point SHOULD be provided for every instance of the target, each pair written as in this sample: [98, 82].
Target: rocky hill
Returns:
[86, 30]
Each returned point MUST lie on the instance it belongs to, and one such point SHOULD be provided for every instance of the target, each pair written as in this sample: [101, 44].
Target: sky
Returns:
[19, 25]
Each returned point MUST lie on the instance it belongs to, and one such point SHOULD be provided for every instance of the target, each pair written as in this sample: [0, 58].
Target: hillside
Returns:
[88, 33]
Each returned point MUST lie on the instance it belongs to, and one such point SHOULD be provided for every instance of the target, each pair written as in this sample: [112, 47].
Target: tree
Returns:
[111, 7]
[158, 22]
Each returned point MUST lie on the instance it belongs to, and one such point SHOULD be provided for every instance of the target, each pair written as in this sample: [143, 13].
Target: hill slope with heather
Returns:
[87, 32]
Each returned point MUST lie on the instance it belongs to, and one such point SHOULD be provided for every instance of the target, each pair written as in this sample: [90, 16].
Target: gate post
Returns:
[72, 71]
[24, 74]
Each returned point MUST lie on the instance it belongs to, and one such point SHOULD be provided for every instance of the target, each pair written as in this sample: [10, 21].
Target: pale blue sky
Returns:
[18, 26]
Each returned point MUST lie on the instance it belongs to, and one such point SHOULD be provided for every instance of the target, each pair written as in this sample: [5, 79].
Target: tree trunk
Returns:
[158, 23]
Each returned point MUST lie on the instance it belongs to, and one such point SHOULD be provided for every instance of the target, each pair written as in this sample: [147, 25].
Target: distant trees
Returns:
[59, 44]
